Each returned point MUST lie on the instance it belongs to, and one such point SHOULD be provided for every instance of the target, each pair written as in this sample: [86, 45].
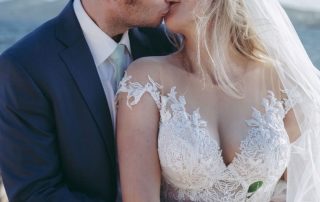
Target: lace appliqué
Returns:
[193, 168]
[187, 153]
[136, 90]
[293, 98]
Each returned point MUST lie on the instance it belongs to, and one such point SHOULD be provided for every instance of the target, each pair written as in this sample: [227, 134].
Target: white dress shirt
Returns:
[101, 47]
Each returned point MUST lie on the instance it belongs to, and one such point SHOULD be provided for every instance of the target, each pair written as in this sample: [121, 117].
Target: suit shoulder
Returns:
[36, 40]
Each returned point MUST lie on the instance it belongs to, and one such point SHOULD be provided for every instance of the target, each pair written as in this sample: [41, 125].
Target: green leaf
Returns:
[254, 187]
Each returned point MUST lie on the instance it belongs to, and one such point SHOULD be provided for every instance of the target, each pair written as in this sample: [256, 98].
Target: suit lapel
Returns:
[78, 59]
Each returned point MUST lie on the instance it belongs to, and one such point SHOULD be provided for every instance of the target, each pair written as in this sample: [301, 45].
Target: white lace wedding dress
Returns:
[191, 160]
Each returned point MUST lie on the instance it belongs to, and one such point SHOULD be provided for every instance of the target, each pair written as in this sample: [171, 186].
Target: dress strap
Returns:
[136, 90]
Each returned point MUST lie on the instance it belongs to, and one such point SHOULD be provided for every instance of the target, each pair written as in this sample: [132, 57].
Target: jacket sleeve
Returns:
[29, 158]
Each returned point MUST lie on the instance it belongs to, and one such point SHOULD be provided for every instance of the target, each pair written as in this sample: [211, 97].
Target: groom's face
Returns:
[143, 13]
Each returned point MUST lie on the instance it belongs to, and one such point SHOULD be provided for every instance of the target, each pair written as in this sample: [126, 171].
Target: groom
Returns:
[57, 89]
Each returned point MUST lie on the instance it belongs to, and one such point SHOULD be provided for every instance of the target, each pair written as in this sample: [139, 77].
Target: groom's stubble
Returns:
[116, 16]
[144, 13]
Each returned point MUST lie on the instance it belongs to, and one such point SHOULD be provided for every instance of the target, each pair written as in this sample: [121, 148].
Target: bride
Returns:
[233, 116]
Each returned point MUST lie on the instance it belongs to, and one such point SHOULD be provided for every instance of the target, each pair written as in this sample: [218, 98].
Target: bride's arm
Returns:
[137, 132]
[293, 131]
[291, 125]
[292, 128]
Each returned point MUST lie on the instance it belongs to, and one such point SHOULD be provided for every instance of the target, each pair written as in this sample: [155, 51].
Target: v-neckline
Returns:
[239, 152]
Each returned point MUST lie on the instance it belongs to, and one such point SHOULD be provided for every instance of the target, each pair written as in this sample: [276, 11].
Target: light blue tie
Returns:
[120, 59]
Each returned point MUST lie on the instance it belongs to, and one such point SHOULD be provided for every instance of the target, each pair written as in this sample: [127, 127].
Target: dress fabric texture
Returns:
[191, 160]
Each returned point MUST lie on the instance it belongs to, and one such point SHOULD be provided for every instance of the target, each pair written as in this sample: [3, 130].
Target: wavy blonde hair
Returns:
[222, 24]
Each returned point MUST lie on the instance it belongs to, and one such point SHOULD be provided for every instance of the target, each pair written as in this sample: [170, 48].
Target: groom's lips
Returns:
[172, 6]
[165, 12]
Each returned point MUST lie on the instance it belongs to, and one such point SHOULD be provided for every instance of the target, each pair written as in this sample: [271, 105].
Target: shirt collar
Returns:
[101, 45]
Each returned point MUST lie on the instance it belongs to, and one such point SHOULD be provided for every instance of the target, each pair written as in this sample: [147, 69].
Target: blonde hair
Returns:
[219, 25]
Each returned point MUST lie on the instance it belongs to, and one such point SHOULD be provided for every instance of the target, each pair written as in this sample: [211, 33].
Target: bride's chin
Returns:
[174, 28]
[177, 24]
[166, 19]
[171, 24]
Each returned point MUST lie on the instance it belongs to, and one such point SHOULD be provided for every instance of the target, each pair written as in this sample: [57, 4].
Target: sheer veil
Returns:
[301, 81]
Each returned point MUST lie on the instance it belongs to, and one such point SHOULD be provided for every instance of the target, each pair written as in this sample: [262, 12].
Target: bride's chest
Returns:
[190, 149]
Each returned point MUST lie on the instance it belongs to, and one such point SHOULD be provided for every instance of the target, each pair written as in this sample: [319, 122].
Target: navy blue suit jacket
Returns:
[56, 134]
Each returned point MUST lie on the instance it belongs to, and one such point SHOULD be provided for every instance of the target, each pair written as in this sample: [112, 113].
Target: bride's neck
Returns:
[192, 54]
[188, 56]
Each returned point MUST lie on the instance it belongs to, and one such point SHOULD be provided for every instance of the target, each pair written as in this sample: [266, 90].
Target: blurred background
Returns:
[18, 17]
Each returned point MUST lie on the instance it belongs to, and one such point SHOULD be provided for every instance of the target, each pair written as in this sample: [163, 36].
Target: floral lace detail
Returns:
[293, 98]
[136, 90]
[192, 165]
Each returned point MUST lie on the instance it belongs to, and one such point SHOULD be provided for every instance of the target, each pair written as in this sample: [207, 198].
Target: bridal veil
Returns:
[301, 81]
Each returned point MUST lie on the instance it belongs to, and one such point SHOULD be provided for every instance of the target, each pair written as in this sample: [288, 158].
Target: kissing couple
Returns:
[161, 100]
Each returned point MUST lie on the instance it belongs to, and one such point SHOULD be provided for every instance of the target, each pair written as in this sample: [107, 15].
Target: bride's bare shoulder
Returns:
[150, 67]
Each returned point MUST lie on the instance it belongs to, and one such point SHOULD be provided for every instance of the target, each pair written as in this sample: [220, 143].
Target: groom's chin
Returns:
[157, 21]
[154, 24]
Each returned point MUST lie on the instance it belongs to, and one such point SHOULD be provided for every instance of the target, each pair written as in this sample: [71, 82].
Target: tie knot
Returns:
[120, 59]
[119, 54]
